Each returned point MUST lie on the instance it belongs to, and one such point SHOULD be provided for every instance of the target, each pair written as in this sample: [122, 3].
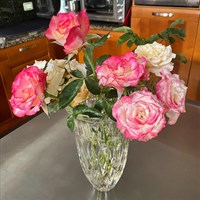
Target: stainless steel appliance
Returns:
[106, 10]
[47, 8]
[178, 3]
[73, 5]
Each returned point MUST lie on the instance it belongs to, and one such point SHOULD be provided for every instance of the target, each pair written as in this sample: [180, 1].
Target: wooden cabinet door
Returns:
[27, 51]
[13, 60]
[5, 88]
[147, 20]
[194, 77]
[109, 47]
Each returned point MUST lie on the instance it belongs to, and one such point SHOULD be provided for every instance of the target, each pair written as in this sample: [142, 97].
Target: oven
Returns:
[106, 10]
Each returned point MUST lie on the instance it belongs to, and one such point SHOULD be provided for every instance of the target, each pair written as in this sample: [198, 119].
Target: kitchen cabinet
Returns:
[56, 51]
[194, 75]
[5, 87]
[24, 54]
[7, 120]
[12, 61]
[148, 20]
[109, 47]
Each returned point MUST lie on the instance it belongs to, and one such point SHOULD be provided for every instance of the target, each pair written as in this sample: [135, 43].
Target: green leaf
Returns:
[124, 38]
[175, 23]
[101, 41]
[88, 59]
[111, 94]
[181, 58]
[130, 43]
[85, 110]
[101, 59]
[69, 92]
[69, 57]
[164, 35]
[53, 107]
[92, 85]
[180, 33]
[140, 41]
[99, 105]
[153, 38]
[92, 36]
[77, 73]
[171, 40]
[124, 29]
[70, 122]
[108, 108]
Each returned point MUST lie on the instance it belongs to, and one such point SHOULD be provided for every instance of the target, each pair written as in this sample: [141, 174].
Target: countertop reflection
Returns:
[39, 161]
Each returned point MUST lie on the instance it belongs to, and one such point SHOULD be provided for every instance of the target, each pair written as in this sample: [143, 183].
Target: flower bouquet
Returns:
[136, 91]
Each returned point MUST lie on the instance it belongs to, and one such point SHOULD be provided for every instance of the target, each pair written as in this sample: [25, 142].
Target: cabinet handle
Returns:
[160, 14]
[27, 48]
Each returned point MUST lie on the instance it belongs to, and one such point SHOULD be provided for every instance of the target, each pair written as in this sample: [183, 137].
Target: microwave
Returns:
[107, 10]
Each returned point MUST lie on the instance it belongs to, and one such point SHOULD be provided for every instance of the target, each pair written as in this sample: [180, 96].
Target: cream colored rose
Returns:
[81, 96]
[159, 57]
[55, 77]
[75, 65]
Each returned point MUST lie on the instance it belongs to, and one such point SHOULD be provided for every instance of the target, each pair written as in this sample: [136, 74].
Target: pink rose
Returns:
[28, 91]
[139, 116]
[121, 71]
[69, 30]
[171, 91]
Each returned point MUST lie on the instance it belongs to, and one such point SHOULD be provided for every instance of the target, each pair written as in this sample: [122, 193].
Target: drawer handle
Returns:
[160, 14]
[27, 48]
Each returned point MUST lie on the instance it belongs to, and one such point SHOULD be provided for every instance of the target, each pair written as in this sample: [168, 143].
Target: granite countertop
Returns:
[32, 29]
[22, 32]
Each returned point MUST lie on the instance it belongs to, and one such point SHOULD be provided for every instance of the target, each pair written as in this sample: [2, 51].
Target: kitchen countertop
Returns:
[23, 32]
[32, 29]
[39, 162]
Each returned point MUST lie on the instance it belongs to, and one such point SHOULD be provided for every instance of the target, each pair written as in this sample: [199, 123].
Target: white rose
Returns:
[159, 57]
[39, 64]
[75, 65]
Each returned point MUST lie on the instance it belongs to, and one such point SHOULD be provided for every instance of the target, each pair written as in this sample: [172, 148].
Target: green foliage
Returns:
[168, 35]
[125, 37]
[112, 93]
[77, 73]
[124, 29]
[53, 106]
[88, 59]
[175, 23]
[101, 59]
[69, 92]
[92, 36]
[82, 110]
[101, 41]
[92, 85]
[88, 52]
[108, 108]
[172, 32]
[70, 122]
[85, 110]
[180, 58]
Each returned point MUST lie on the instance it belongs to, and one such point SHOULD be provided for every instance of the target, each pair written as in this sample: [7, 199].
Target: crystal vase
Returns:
[102, 151]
